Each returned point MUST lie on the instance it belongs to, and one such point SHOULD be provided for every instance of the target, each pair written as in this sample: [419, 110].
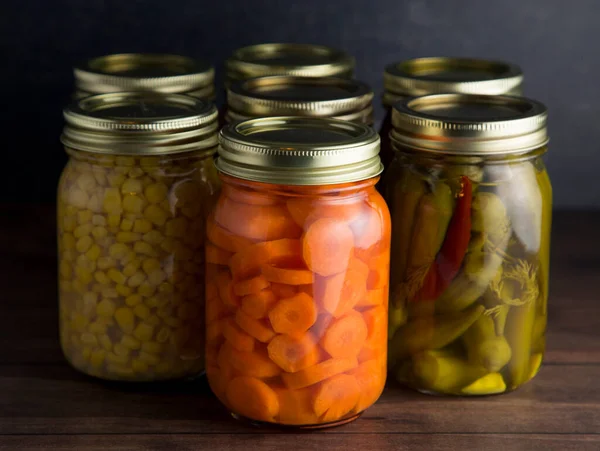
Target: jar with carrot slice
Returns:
[297, 272]
[470, 244]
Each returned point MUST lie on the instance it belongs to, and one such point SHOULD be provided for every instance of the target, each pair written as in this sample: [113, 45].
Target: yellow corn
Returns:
[133, 300]
[150, 359]
[163, 335]
[68, 241]
[131, 268]
[121, 350]
[152, 347]
[114, 220]
[118, 250]
[105, 263]
[139, 366]
[144, 248]
[99, 232]
[150, 264]
[143, 332]
[141, 311]
[153, 237]
[156, 277]
[130, 342]
[106, 342]
[136, 280]
[125, 319]
[118, 359]
[123, 290]
[133, 204]
[153, 320]
[156, 215]
[115, 180]
[99, 221]
[142, 226]
[93, 253]
[106, 307]
[84, 216]
[116, 276]
[112, 201]
[82, 230]
[156, 192]
[147, 290]
[132, 186]
[86, 182]
[78, 198]
[97, 358]
[97, 328]
[127, 237]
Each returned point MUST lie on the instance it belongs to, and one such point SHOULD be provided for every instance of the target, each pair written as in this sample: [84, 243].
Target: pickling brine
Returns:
[469, 264]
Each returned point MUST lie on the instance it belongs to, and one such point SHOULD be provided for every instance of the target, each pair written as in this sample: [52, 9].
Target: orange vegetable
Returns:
[218, 384]
[303, 210]
[250, 286]
[327, 246]
[372, 228]
[336, 397]
[376, 342]
[370, 376]
[379, 275]
[320, 326]
[214, 332]
[258, 305]
[214, 310]
[287, 276]
[283, 291]
[239, 339]
[248, 196]
[252, 398]
[293, 354]
[224, 239]
[296, 407]
[248, 262]
[293, 316]
[254, 327]
[373, 298]
[345, 336]
[228, 297]
[255, 364]
[217, 255]
[340, 293]
[318, 372]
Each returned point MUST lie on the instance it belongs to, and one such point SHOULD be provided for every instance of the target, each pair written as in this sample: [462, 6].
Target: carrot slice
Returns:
[293, 354]
[250, 286]
[287, 276]
[376, 343]
[320, 326]
[295, 407]
[336, 397]
[228, 297]
[214, 333]
[248, 196]
[317, 373]
[258, 305]
[371, 228]
[248, 262]
[302, 209]
[256, 222]
[214, 309]
[370, 376]
[283, 291]
[255, 364]
[217, 255]
[254, 327]
[239, 339]
[252, 398]
[380, 271]
[373, 298]
[339, 294]
[224, 239]
[293, 316]
[345, 336]
[327, 246]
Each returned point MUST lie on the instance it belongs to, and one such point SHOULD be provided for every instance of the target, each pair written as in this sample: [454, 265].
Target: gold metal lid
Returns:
[304, 60]
[282, 95]
[472, 125]
[299, 151]
[435, 75]
[140, 123]
[145, 72]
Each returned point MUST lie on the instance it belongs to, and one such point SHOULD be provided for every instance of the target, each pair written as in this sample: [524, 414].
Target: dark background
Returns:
[555, 42]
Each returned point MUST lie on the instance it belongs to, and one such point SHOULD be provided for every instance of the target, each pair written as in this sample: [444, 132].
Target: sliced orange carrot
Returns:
[217, 255]
[380, 271]
[338, 294]
[249, 196]
[302, 209]
[226, 294]
[215, 309]
[224, 239]
[372, 226]
[321, 324]
[345, 336]
[258, 305]
[283, 291]
[295, 407]
[252, 398]
[376, 344]
[293, 353]
[248, 262]
[256, 222]
[224, 371]
[214, 332]
[287, 276]
[293, 316]
[256, 328]
[371, 376]
[239, 339]
[336, 397]
[255, 364]
[250, 286]
[318, 372]
[327, 246]
[373, 298]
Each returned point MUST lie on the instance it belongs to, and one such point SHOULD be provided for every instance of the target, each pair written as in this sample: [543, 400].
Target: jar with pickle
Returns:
[132, 72]
[132, 205]
[470, 201]
[297, 272]
[440, 75]
[284, 95]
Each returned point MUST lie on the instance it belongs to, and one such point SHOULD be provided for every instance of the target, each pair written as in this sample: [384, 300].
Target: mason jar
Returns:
[471, 206]
[439, 75]
[284, 95]
[297, 272]
[132, 204]
[169, 74]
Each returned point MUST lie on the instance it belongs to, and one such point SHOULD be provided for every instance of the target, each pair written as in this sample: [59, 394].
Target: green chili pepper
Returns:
[519, 333]
[484, 347]
[489, 384]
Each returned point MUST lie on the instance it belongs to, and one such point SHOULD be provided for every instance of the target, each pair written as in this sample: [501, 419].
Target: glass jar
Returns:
[169, 74]
[439, 75]
[470, 201]
[132, 205]
[283, 95]
[297, 272]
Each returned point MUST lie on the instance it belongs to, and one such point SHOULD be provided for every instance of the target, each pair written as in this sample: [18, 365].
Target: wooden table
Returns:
[44, 404]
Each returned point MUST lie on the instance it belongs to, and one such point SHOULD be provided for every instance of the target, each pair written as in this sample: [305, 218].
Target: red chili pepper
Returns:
[449, 259]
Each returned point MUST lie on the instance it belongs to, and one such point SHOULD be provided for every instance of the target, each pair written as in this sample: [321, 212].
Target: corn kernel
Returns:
[114, 220]
[176, 227]
[163, 335]
[153, 320]
[150, 359]
[166, 288]
[141, 311]
[99, 232]
[136, 280]
[79, 287]
[139, 366]
[99, 176]
[124, 163]
[112, 201]
[105, 263]
[116, 276]
[68, 255]
[142, 226]
[135, 172]
[125, 319]
[84, 275]
[71, 210]
[99, 220]
[86, 182]
[144, 248]
[133, 300]
[131, 268]
[79, 322]
[127, 237]
[152, 347]
[121, 350]
[146, 290]
[94, 203]
[105, 342]
[157, 277]
[84, 216]
[75, 341]
[97, 328]
[153, 237]
[97, 358]
[65, 269]
[152, 302]
[172, 322]
[118, 359]
[126, 225]
[133, 204]
[132, 186]
[123, 290]
[130, 342]
[93, 252]
[90, 300]
[78, 198]
[150, 264]
[156, 193]
[106, 307]
[109, 292]
[89, 339]
[83, 230]
[156, 215]
[118, 250]
[68, 241]
[115, 180]
[143, 332]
